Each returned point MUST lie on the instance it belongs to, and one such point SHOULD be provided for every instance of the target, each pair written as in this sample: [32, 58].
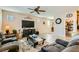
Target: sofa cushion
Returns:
[74, 48]
[59, 46]
[7, 41]
[53, 48]
[62, 42]
[74, 40]
[50, 49]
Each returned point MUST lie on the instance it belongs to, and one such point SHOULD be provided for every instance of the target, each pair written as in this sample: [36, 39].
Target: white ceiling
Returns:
[50, 10]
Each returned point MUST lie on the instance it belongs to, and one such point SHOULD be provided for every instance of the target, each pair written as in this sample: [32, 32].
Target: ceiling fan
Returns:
[37, 10]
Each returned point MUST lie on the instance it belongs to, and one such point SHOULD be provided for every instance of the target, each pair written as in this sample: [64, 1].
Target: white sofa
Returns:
[73, 46]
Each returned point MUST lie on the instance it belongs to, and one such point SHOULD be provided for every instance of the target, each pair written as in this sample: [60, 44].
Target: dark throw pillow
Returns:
[62, 42]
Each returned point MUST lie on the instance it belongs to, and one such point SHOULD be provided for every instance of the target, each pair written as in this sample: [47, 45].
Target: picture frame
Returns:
[10, 18]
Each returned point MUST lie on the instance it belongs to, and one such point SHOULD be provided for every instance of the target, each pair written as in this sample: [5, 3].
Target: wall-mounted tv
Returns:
[27, 24]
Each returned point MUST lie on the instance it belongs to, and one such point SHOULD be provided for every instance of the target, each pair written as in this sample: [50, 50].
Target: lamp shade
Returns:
[7, 27]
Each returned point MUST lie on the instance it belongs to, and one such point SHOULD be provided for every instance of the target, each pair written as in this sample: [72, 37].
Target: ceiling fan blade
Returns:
[37, 12]
[30, 9]
[42, 11]
[32, 12]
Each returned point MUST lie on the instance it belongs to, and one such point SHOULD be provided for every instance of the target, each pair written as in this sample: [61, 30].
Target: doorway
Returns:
[77, 21]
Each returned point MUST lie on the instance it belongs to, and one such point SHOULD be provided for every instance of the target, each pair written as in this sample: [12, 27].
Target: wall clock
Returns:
[58, 21]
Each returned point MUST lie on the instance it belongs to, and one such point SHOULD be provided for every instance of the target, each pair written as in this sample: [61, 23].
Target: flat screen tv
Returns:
[27, 24]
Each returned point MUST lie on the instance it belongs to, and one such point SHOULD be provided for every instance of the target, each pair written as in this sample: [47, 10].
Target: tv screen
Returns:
[27, 24]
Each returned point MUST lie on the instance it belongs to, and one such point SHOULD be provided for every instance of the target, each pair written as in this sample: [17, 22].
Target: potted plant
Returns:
[14, 31]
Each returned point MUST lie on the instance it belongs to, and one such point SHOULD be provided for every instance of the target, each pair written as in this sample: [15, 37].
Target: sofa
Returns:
[63, 46]
[57, 46]
[8, 44]
[73, 45]
[10, 47]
